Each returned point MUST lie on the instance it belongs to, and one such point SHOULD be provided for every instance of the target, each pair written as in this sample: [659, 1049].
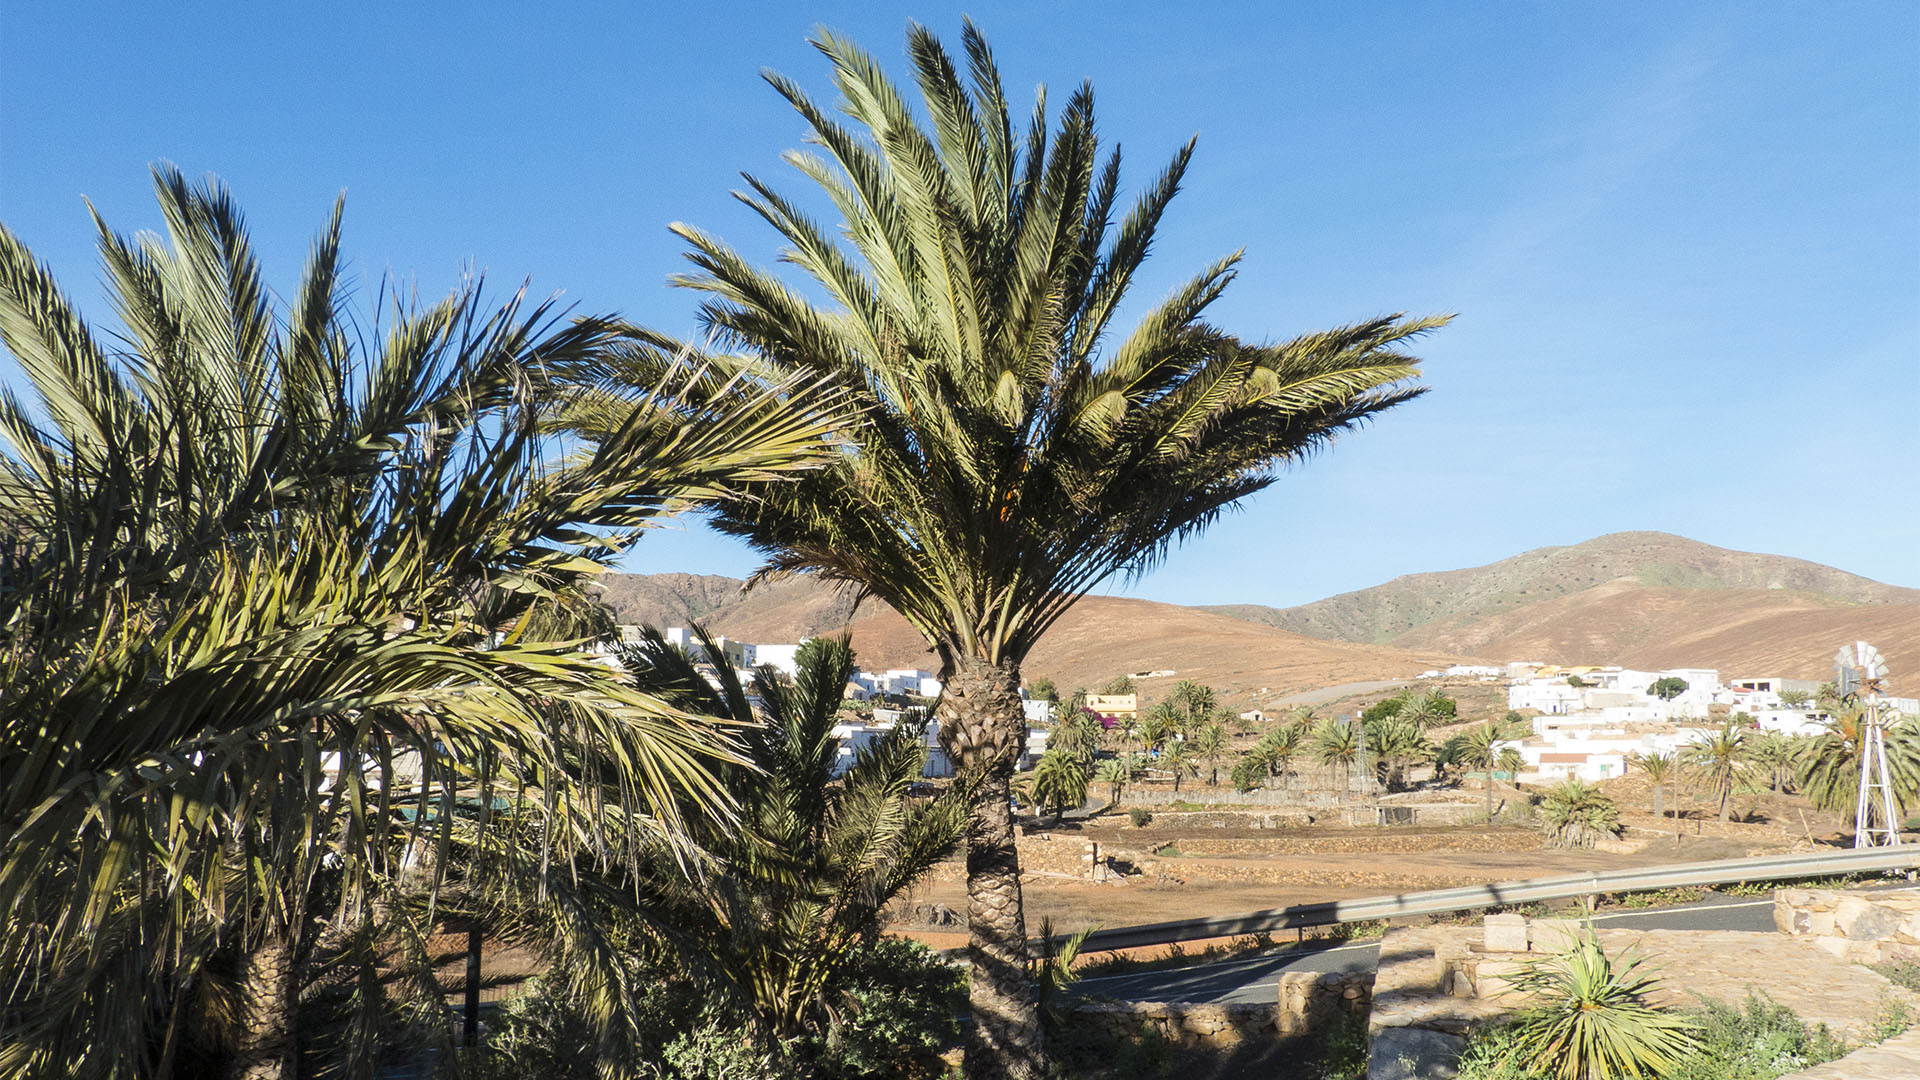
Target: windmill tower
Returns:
[1858, 671]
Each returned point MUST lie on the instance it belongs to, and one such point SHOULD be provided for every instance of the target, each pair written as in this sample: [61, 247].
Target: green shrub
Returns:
[1590, 1018]
[1140, 816]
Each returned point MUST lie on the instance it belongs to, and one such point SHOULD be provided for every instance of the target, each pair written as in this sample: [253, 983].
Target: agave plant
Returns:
[1590, 1018]
[1575, 814]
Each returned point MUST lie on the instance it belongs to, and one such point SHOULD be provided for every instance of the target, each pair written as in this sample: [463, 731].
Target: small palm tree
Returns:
[1590, 1018]
[1059, 781]
[1660, 769]
[1209, 743]
[1278, 748]
[1479, 748]
[1336, 743]
[1575, 814]
[800, 879]
[1180, 760]
[1721, 762]
[1159, 724]
[1774, 753]
[1116, 773]
[1398, 743]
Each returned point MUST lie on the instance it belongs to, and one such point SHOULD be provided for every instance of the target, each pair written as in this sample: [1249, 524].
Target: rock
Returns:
[1553, 935]
[1505, 933]
[1413, 1054]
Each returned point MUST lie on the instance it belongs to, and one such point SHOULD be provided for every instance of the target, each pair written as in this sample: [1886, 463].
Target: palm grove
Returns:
[296, 599]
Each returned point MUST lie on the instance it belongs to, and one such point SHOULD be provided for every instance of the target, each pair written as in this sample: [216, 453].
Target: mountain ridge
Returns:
[1641, 599]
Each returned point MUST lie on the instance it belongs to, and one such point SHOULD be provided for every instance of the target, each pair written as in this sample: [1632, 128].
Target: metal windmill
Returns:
[1858, 671]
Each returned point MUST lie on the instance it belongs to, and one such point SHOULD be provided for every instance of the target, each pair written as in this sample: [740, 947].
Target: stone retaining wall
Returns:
[1304, 1002]
[1866, 928]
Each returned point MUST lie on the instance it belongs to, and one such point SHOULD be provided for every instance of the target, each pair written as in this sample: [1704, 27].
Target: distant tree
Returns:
[1208, 744]
[1660, 769]
[1795, 699]
[1381, 710]
[1720, 762]
[1179, 759]
[1119, 684]
[1250, 771]
[1158, 726]
[1440, 706]
[1478, 748]
[1514, 719]
[1575, 814]
[1576, 681]
[1668, 687]
[1278, 748]
[1337, 744]
[1042, 689]
[1116, 773]
[1773, 753]
[1397, 744]
[1076, 734]
[1059, 782]
[1827, 696]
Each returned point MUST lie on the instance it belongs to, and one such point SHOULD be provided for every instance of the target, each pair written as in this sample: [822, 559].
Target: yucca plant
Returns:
[1015, 446]
[1576, 814]
[1589, 1017]
[269, 578]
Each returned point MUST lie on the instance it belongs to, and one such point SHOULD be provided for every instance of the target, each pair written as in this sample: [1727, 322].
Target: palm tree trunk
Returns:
[981, 725]
[1489, 791]
[1659, 797]
[264, 1046]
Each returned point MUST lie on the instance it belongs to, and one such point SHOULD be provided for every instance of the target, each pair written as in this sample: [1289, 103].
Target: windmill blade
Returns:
[1868, 660]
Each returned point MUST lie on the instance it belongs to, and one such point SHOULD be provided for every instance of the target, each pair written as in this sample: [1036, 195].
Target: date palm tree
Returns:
[1827, 765]
[1660, 769]
[269, 577]
[816, 851]
[1059, 781]
[1016, 447]
[1336, 743]
[1116, 773]
[1479, 748]
[1721, 761]
[1209, 743]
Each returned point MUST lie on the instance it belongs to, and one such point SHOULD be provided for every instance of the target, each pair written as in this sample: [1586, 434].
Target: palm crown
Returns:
[1015, 449]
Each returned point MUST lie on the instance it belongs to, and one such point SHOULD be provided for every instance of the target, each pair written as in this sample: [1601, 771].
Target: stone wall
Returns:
[1865, 928]
[1305, 1001]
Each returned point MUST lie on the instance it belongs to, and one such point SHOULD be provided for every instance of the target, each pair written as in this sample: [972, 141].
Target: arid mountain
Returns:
[1639, 599]
[1648, 600]
[1100, 638]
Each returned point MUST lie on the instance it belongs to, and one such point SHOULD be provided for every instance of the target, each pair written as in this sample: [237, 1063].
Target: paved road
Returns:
[1254, 978]
[1335, 693]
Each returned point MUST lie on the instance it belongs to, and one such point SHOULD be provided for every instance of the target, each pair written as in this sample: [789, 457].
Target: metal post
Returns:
[471, 1030]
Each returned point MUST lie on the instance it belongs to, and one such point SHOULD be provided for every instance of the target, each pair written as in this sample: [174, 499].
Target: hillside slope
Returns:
[1100, 638]
[1458, 599]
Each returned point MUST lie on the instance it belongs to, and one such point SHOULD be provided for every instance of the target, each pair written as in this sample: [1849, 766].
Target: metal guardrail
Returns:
[1444, 901]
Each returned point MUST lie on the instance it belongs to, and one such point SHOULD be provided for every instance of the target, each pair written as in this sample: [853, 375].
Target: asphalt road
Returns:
[1255, 977]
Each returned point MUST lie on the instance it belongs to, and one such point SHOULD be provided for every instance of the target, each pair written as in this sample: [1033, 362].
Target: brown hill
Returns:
[1638, 599]
[1100, 638]
[1460, 598]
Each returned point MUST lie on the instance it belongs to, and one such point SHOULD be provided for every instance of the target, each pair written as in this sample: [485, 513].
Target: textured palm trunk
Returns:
[1659, 799]
[981, 726]
[264, 1047]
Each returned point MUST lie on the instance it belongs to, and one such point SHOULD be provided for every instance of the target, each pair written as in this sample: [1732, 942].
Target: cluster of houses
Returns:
[878, 686]
[1592, 719]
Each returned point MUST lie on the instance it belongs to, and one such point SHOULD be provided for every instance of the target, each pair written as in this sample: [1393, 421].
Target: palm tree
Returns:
[1160, 723]
[1278, 748]
[1774, 752]
[1209, 743]
[1076, 734]
[1398, 743]
[1827, 766]
[1660, 769]
[1179, 759]
[801, 877]
[254, 566]
[1011, 452]
[1116, 773]
[1479, 748]
[1336, 744]
[1574, 813]
[1720, 761]
[1059, 780]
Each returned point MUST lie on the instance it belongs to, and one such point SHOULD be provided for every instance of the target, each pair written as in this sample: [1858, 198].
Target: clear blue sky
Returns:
[1683, 240]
